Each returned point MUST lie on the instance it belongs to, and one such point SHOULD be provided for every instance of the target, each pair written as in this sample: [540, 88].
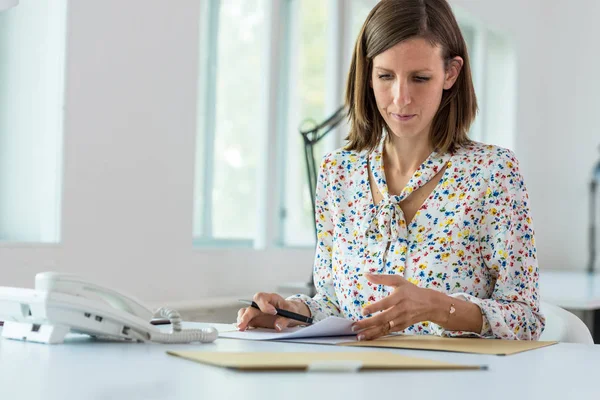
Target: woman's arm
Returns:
[324, 303]
[508, 250]
[409, 304]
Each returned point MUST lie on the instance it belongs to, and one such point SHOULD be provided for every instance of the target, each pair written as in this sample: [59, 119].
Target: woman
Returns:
[420, 230]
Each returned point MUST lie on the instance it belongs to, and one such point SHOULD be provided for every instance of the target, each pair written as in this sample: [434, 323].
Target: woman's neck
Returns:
[404, 156]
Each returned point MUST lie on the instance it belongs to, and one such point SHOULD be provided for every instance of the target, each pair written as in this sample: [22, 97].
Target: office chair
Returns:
[564, 326]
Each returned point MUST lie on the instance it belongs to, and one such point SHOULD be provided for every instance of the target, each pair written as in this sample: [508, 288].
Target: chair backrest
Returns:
[564, 326]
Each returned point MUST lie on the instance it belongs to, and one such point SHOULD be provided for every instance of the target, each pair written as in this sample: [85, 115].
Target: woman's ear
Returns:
[452, 72]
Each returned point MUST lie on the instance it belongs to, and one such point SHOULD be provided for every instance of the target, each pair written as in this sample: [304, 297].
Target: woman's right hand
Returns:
[267, 316]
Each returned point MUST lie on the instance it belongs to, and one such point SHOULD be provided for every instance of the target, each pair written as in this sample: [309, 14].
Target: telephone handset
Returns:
[63, 303]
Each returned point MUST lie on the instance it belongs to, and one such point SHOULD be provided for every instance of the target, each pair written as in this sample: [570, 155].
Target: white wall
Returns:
[129, 143]
[570, 143]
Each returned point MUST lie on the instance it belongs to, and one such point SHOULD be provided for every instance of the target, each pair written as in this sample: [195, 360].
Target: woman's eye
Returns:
[421, 78]
[384, 77]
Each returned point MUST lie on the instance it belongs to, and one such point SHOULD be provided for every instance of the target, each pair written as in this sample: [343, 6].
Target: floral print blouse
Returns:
[472, 238]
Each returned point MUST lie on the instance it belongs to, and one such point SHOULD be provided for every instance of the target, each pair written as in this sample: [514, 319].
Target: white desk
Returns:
[575, 290]
[84, 369]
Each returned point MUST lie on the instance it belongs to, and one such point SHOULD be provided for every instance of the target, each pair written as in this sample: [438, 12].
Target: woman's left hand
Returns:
[405, 306]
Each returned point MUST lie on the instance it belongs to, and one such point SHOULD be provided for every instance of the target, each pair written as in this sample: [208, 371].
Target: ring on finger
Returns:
[386, 329]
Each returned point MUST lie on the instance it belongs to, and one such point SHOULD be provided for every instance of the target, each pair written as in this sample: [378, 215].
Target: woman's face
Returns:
[408, 81]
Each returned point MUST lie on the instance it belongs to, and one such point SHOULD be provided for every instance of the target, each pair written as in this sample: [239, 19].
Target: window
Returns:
[493, 64]
[307, 107]
[471, 38]
[359, 11]
[234, 147]
[500, 96]
[230, 122]
[32, 49]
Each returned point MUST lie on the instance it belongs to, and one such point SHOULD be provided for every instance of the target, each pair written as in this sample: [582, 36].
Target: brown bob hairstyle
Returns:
[389, 23]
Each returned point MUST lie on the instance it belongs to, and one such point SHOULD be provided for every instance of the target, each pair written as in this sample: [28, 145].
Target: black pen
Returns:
[283, 313]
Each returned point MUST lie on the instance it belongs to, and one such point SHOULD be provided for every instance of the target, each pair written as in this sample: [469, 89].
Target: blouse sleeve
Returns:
[325, 302]
[508, 250]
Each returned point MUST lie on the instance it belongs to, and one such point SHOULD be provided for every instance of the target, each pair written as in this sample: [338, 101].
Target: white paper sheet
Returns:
[332, 340]
[332, 326]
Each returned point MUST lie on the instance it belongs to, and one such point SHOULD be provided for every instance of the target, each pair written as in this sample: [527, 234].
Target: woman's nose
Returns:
[401, 94]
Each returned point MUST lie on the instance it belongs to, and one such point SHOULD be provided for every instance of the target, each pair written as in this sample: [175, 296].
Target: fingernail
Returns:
[274, 311]
[278, 327]
[366, 311]
[355, 328]
[361, 337]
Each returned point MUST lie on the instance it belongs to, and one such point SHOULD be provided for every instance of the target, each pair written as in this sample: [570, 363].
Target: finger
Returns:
[244, 317]
[248, 315]
[374, 332]
[386, 279]
[376, 320]
[261, 320]
[398, 324]
[240, 312]
[281, 323]
[266, 302]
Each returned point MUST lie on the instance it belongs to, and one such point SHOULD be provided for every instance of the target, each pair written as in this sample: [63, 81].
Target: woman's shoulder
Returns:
[343, 160]
[486, 156]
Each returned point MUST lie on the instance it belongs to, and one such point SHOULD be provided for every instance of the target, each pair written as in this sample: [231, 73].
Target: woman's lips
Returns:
[403, 117]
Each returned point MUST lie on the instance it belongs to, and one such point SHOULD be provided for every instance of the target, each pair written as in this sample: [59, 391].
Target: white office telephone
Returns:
[63, 303]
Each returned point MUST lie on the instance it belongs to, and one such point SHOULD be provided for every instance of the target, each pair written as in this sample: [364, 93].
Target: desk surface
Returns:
[84, 369]
[576, 290]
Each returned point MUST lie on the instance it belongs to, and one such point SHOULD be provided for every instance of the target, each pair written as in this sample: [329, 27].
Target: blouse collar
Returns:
[434, 163]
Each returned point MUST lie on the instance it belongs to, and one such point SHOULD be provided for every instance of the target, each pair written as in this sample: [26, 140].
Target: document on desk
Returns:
[332, 326]
[317, 361]
[460, 345]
